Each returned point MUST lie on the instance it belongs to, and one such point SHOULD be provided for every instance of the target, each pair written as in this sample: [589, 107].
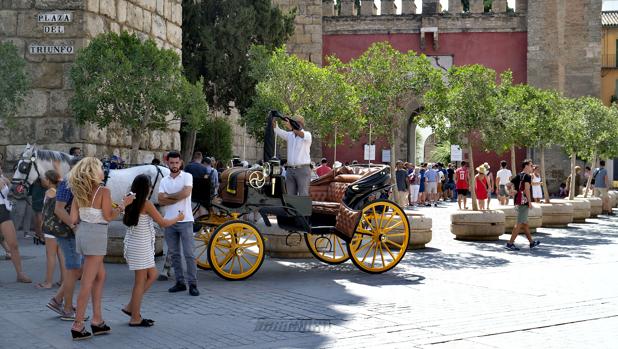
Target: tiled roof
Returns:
[609, 18]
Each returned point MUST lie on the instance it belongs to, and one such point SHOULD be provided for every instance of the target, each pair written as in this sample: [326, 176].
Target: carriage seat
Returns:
[328, 191]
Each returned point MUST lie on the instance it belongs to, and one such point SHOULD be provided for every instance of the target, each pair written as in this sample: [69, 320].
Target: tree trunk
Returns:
[572, 184]
[513, 161]
[589, 181]
[188, 145]
[543, 176]
[475, 206]
[136, 139]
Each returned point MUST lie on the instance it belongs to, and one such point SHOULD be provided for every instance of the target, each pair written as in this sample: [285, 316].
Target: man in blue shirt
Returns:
[601, 185]
[195, 167]
[431, 185]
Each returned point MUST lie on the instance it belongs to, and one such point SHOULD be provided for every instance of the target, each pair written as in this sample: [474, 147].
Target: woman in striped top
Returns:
[139, 245]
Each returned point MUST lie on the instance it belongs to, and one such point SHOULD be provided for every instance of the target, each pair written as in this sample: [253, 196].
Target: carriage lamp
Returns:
[275, 167]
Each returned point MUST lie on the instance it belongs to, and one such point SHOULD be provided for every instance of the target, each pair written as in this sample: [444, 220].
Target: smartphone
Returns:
[130, 194]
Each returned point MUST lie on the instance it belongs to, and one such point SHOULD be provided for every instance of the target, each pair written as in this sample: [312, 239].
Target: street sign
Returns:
[456, 153]
[386, 155]
[370, 152]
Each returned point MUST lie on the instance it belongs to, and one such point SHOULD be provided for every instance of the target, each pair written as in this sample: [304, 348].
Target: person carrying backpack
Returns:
[522, 184]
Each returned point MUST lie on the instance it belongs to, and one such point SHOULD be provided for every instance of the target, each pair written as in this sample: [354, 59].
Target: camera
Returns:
[276, 114]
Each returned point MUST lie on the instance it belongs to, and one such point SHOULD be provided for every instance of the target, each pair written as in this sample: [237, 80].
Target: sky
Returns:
[609, 5]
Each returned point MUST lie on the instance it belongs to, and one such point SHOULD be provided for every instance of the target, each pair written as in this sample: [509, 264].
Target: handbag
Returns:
[52, 224]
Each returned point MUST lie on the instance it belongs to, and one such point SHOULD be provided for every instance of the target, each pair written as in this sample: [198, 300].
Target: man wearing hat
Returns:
[323, 168]
[298, 169]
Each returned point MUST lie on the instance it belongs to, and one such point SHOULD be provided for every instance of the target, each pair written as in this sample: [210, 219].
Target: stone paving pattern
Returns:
[451, 295]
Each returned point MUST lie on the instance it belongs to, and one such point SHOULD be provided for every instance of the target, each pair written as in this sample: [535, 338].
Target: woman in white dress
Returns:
[139, 248]
[537, 189]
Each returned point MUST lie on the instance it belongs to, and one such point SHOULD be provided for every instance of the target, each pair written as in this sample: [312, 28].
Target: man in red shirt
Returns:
[323, 168]
[462, 184]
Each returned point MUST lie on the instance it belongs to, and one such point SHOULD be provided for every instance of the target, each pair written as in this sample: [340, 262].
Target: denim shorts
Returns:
[72, 259]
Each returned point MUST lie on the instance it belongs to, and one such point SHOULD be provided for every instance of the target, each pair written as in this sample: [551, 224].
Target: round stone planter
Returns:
[581, 209]
[613, 199]
[477, 225]
[279, 243]
[510, 217]
[420, 231]
[535, 218]
[556, 215]
[596, 205]
[115, 242]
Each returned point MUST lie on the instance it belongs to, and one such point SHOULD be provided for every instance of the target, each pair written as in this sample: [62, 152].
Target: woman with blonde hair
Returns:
[92, 209]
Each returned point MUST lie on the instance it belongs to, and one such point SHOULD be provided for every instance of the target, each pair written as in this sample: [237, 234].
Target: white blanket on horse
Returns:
[119, 181]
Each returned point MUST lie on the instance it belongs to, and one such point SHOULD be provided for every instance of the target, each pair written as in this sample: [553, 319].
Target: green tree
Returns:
[215, 139]
[571, 130]
[123, 81]
[13, 82]
[386, 81]
[463, 107]
[216, 39]
[296, 86]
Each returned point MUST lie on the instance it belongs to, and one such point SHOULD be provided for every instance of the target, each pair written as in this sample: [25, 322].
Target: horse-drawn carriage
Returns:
[345, 217]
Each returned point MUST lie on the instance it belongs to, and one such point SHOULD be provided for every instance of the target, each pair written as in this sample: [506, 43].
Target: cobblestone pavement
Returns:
[451, 295]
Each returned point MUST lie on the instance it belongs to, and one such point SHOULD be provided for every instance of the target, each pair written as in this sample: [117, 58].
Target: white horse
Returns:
[35, 162]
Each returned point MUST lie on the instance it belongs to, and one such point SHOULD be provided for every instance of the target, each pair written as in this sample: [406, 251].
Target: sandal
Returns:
[41, 285]
[23, 279]
[81, 334]
[100, 329]
[143, 323]
[128, 313]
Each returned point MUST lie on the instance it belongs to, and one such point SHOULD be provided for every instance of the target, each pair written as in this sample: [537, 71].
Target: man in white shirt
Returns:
[298, 169]
[175, 196]
[503, 178]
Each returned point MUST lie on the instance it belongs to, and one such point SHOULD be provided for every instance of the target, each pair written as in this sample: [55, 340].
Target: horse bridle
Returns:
[154, 184]
[26, 170]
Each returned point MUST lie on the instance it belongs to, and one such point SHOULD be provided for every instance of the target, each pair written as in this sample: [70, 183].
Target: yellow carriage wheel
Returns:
[236, 250]
[381, 237]
[202, 239]
[328, 248]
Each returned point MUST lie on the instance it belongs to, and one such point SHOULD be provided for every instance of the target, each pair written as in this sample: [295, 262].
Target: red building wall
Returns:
[496, 50]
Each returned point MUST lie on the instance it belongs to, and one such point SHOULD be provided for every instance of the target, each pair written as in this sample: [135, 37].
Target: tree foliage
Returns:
[296, 86]
[217, 37]
[13, 82]
[215, 139]
[121, 80]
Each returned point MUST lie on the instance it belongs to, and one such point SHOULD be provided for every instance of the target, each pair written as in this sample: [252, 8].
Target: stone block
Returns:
[114, 27]
[28, 26]
[35, 103]
[328, 8]
[387, 7]
[521, 6]
[50, 130]
[160, 10]
[121, 11]
[92, 133]
[408, 7]
[77, 44]
[498, 6]
[67, 83]
[108, 8]
[158, 27]
[167, 9]
[45, 75]
[348, 8]
[135, 16]
[455, 6]
[59, 4]
[19, 4]
[477, 6]
[147, 21]
[92, 5]
[150, 5]
[8, 23]
[23, 133]
[155, 139]
[177, 14]
[94, 24]
[432, 6]
[59, 102]
[174, 34]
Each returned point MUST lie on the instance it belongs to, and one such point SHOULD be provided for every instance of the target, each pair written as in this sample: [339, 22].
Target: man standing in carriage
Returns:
[175, 197]
[298, 169]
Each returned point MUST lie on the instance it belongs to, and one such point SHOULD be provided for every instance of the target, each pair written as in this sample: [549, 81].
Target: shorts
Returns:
[91, 239]
[522, 214]
[5, 215]
[600, 192]
[503, 191]
[462, 191]
[72, 259]
[431, 187]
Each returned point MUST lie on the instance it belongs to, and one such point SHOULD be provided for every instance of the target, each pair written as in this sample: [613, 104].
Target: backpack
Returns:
[51, 223]
[521, 199]
[411, 178]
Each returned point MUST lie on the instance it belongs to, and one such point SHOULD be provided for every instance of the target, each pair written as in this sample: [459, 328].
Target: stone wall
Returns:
[306, 42]
[66, 26]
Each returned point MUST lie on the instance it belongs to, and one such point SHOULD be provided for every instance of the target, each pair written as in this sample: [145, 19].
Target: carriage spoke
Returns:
[389, 220]
[251, 244]
[388, 250]
[240, 264]
[386, 230]
[375, 251]
[201, 253]
[227, 258]
[246, 260]
[382, 254]
[396, 234]
[393, 243]
[367, 253]
[339, 243]
[232, 265]
[250, 253]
